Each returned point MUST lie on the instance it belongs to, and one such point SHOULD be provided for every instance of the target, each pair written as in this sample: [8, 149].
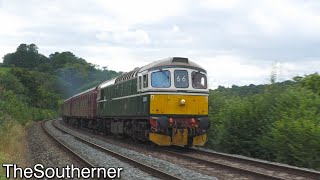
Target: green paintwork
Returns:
[135, 106]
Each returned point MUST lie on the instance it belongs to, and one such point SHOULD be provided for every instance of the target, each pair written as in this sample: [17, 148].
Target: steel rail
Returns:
[239, 170]
[263, 164]
[146, 168]
[62, 145]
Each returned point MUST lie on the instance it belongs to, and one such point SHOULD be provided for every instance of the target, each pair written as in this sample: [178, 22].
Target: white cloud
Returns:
[137, 37]
[175, 29]
[236, 41]
[11, 24]
[142, 11]
[103, 36]
[218, 4]
[266, 23]
[268, 17]
[230, 69]
[286, 17]
[114, 57]
[227, 70]
[174, 37]
[290, 69]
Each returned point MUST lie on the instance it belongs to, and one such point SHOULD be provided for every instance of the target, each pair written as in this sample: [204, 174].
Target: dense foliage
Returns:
[33, 86]
[278, 122]
[65, 73]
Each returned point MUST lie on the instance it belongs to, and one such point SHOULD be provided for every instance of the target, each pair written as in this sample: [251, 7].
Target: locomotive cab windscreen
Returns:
[161, 79]
[174, 78]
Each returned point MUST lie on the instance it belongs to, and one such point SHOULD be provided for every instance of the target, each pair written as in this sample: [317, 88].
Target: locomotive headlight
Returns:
[182, 102]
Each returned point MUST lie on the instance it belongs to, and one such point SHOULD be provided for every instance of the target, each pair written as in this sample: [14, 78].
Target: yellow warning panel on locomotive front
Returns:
[179, 104]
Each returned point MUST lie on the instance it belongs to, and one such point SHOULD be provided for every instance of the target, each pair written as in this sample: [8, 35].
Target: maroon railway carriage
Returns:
[82, 105]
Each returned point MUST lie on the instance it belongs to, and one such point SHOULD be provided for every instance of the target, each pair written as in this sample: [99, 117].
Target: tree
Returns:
[26, 56]
[60, 60]
[39, 87]
[312, 82]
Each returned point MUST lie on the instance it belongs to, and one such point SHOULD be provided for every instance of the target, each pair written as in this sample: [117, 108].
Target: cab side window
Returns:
[145, 81]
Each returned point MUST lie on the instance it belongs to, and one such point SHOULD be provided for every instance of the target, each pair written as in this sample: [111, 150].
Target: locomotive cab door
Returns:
[139, 99]
[144, 98]
[143, 84]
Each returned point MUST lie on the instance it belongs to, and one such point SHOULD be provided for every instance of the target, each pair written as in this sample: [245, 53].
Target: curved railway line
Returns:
[62, 145]
[269, 166]
[251, 167]
[148, 169]
[245, 168]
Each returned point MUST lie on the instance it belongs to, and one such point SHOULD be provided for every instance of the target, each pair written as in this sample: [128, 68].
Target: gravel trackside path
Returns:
[41, 149]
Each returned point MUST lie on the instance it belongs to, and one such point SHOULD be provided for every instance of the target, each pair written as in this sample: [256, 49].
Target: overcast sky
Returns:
[238, 42]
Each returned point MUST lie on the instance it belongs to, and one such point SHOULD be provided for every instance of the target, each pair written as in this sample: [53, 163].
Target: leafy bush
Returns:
[279, 122]
[295, 142]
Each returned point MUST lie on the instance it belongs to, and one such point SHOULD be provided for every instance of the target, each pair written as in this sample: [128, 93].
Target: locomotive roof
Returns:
[163, 63]
[108, 82]
[172, 61]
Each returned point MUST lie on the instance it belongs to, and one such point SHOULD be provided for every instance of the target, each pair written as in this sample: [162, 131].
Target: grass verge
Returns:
[13, 144]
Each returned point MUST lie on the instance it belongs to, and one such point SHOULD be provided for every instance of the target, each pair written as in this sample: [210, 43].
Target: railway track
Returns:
[247, 168]
[250, 167]
[62, 145]
[148, 169]
[215, 164]
[298, 172]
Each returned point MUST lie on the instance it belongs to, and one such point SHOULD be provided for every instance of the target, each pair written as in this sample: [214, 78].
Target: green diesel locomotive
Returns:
[165, 102]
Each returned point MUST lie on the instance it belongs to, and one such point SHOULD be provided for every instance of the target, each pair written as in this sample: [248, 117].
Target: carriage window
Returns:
[181, 79]
[145, 81]
[160, 79]
[99, 94]
[199, 81]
